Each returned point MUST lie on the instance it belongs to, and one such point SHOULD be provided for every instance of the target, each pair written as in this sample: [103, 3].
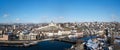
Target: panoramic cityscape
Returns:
[59, 25]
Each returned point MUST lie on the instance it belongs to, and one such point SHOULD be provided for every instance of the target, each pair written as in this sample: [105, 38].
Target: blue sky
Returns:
[37, 11]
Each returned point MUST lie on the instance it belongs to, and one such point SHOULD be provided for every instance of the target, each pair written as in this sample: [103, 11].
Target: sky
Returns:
[40, 11]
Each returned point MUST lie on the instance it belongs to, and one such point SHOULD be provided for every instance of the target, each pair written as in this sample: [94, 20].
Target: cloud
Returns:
[6, 15]
[114, 16]
[17, 19]
[61, 17]
[44, 17]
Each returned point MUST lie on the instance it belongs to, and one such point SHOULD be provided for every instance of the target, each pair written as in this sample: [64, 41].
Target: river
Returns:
[45, 45]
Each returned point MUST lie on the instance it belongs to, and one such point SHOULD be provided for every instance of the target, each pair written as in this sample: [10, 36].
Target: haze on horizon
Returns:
[39, 11]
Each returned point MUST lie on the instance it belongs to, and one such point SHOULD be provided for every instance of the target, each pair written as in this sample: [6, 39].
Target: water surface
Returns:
[45, 45]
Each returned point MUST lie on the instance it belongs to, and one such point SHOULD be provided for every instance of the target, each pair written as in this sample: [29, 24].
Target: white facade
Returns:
[64, 32]
[76, 35]
[60, 33]
[30, 36]
[49, 34]
[0, 31]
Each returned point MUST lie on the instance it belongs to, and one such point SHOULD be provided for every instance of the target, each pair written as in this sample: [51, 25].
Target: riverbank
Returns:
[44, 45]
[21, 43]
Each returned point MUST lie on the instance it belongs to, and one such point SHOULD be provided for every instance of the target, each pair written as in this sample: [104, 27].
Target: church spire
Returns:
[52, 23]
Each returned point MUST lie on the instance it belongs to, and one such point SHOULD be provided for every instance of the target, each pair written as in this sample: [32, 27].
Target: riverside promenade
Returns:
[22, 43]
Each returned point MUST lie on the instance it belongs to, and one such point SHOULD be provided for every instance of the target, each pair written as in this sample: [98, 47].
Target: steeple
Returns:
[52, 24]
